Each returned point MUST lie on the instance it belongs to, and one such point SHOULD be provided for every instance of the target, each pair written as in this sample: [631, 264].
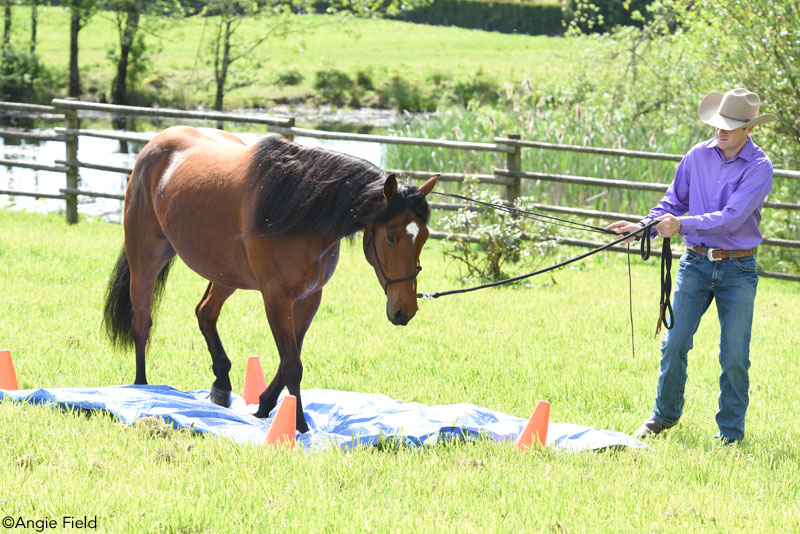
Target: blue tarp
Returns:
[341, 418]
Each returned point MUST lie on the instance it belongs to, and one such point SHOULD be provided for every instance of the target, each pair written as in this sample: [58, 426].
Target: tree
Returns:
[689, 48]
[80, 13]
[34, 23]
[757, 46]
[128, 15]
[6, 23]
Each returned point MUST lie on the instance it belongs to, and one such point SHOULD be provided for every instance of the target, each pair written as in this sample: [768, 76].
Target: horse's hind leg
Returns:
[207, 312]
[148, 272]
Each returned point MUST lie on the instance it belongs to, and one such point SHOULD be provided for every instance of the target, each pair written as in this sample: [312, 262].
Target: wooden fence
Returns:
[509, 177]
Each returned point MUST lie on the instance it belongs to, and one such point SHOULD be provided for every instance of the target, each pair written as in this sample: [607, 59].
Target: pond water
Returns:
[109, 152]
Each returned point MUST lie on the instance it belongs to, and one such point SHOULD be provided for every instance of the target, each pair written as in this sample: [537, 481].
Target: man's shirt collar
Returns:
[746, 153]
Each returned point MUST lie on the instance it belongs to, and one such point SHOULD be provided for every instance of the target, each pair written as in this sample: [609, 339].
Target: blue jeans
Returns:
[732, 282]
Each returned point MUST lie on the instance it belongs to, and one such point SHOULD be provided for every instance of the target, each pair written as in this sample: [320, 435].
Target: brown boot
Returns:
[650, 429]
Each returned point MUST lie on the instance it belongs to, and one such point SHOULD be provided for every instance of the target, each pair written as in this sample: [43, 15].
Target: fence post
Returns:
[514, 163]
[290, 137]
[71, 123]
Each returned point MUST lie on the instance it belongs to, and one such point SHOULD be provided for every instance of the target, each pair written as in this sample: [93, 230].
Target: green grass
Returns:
[503, 349]
[379, 47]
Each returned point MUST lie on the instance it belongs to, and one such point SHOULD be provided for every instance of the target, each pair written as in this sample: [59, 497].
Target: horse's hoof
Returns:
[302, 427]
[220, 397]
[263, 411]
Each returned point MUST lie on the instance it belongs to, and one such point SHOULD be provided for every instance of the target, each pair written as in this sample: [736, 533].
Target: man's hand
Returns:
[668, 226]
[624, 228]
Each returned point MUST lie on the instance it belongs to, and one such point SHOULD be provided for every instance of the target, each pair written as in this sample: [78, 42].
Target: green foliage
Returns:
[334, 86]
[140, 61]
[600, 16]
[288, 77]
[23, 77]
[399, 93]
[133, 18]
[394, 90]
[752, 44]
[478, 89]
[687, 49]
[368, 8]
[379, 47]
[503, 239]
[532, 18]
[364, 80]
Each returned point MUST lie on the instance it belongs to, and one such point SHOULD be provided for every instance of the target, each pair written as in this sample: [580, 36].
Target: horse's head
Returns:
[393, 242]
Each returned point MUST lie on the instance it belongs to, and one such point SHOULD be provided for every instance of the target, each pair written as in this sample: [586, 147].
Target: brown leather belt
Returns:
[715, 254]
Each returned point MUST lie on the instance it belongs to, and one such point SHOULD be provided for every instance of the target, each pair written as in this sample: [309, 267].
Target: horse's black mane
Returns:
[304, 190]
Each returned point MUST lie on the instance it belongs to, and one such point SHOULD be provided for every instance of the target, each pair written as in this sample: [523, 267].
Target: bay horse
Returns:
[269, 217]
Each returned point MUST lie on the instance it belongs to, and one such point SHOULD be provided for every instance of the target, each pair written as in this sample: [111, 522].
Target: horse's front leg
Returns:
[279, 304]
[304, 311]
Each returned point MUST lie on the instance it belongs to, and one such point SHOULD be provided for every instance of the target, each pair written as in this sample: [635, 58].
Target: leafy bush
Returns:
[403, 95]
[364, 80]
[486, 242]
[334, 86]
[600, 16]
[477, 89]
[288, 77]
[23, 78]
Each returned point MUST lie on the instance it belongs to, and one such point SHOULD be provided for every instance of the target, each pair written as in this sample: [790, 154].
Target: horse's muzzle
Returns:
[399, 318]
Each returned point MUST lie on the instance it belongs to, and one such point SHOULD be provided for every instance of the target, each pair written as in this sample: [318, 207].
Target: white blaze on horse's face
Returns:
[413, 230]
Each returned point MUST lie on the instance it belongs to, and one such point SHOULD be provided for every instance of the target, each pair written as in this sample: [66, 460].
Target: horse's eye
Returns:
[390, 238]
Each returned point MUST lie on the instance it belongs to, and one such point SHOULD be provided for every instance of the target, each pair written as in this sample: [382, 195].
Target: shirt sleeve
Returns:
[748, 196]
[676, 199]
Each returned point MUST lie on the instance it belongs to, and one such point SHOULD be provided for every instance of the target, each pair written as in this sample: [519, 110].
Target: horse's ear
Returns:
[390, 187]
[427, 187]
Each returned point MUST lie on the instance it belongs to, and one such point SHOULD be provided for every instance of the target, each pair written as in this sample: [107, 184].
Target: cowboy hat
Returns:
[737, 108]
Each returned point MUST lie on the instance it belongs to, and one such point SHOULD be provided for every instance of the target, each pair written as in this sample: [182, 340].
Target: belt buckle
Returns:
[710, 254]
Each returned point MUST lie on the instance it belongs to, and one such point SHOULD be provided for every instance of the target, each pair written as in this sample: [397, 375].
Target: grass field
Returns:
[378, 47]
[505, 349]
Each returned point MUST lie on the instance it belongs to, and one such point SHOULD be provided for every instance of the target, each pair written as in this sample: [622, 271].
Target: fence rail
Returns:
[509, 177]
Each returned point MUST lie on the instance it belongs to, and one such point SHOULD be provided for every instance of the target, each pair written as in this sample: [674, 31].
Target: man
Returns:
[715, 203]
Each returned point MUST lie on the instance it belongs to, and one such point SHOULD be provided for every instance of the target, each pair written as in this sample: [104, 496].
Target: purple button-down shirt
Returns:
[719, 202]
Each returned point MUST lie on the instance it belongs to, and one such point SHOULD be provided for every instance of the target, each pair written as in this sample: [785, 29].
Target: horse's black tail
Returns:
[118, 311]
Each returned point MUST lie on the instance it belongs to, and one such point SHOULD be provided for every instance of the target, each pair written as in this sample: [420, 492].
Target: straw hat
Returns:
[737, 108]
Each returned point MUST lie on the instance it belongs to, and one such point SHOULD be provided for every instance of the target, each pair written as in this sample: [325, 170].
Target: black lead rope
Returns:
[645, 251]
[664, 304]
[643, 233]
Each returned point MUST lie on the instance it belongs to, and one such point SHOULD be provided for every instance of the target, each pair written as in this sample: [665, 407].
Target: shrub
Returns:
[364, 80]
[478, 89]
[502, 238]
[334, 86]
[403, 95]
[601, 16]
[23, 78]
[288, 77]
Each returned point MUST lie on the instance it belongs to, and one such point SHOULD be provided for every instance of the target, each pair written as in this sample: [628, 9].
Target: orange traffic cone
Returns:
[536, 428]
[254, 381]
[284, 424]
[8, 378]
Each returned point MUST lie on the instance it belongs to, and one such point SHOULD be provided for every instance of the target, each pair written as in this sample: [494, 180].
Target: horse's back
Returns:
[189, 187]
